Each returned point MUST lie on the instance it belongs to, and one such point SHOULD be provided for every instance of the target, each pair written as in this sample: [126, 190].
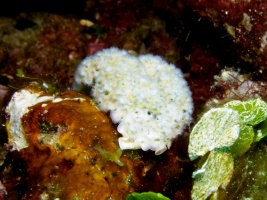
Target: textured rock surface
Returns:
[73, 152]
[245, 22]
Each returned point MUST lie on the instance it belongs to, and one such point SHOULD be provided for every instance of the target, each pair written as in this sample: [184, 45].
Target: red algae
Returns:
[245, 23]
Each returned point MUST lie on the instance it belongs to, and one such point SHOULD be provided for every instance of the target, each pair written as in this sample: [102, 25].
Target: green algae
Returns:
[110, 156]
[231, 168]
[216, 172]
[217, 128]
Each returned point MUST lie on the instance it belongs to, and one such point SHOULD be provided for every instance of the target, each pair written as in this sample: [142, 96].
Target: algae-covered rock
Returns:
[71, 149]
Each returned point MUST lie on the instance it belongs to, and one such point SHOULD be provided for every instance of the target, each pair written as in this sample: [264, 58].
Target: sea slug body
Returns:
[147, 97]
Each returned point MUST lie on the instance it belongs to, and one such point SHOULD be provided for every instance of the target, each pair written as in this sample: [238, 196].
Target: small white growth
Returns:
[146, 96]
[230, 29]
[18, 106]
[246, 22]
[263, 42]
[57, 100]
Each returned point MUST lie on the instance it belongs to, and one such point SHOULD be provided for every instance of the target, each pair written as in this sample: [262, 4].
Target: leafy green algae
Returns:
[243, 142]
[219, 165]
[110, 156]
[218, 128]
[146, 196]
[252, 112]
[239, 169]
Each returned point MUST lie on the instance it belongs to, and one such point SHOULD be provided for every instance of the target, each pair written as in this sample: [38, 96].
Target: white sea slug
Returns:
[147, 97]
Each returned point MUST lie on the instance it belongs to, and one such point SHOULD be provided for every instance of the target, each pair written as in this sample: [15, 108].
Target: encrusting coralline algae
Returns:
[147, 97]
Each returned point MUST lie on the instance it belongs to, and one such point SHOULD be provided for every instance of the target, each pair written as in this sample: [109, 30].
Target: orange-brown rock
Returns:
[73, 152]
